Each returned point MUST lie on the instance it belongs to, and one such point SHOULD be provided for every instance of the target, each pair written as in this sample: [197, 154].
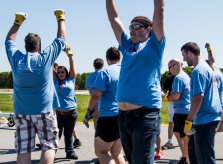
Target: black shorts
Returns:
[179, 122]
[107, 128]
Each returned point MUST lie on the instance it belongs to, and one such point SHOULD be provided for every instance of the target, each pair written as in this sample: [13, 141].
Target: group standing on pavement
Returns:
[128, 96]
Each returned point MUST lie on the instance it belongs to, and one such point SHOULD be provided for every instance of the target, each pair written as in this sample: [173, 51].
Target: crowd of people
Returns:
[125, 98]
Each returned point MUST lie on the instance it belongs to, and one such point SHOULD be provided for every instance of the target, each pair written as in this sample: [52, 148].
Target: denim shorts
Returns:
[45, 125]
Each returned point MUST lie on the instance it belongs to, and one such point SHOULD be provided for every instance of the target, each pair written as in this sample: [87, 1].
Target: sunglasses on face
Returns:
[60, 72]
[135, 26]
[171, 66]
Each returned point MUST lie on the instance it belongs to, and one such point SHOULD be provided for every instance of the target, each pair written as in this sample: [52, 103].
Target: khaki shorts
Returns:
[170, 112]
[45, 125]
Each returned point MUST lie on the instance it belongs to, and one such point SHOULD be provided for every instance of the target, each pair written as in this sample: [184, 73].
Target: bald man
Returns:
[180, 95]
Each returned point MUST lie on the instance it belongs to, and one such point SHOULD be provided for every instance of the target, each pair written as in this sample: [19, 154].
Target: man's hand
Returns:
[20, 17]
[68, 50]
[87, 117]
[188, 129]
[60, 14]
[208, 46]
[165, 98]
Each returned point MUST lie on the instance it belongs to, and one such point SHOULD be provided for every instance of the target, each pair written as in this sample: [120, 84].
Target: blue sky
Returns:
[89, 32]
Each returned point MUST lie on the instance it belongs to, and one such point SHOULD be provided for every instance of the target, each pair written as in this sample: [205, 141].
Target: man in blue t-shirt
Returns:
[90, 82]
[205, 111]
[138, 94]
[180, 95]
[34, 90]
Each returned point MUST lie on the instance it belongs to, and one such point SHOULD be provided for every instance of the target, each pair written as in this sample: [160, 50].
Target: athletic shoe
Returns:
[39, 146]
[72, 157]
[77, 143]
[167, 146]
[159, 155]
[182, 160]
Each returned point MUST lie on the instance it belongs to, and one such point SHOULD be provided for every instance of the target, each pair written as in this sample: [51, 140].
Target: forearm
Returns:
[61, 33]
[13, 32]
[158, 19]
[95, 96]
[211, 57]
[111, 9]
[195, 106]
[174, 96]
[72, 68]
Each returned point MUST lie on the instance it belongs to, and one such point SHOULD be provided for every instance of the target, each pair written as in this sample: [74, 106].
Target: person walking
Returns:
[180, 95]
[138, 93]
[205, 111]
[67, 114]
[166, 89]
[107, 141]
[34, 90]
[90, 82]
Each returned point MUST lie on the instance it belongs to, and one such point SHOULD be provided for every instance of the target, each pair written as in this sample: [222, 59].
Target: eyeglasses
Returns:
[171, 66]
[135, 26]
[60, 72]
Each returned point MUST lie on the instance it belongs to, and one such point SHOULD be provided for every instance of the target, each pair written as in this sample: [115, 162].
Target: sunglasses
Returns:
[171, 66]
[61, 72]
[135, 26]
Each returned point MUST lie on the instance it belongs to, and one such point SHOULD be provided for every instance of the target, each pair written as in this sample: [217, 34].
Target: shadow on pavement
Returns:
[87, 162]
[166, 161]
[7, 151]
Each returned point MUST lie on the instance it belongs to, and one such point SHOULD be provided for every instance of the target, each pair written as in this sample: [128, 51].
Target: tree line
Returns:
[6, 78]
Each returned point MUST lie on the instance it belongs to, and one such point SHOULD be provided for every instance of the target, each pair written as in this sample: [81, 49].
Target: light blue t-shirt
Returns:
[219, 78]
[139, 82]
[107, 81]
[66, 95]
[90, 80]
[32, 77]
[203, 82]
[181, 84]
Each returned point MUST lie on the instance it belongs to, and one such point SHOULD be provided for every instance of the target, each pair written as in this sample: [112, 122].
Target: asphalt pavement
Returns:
[86, 151]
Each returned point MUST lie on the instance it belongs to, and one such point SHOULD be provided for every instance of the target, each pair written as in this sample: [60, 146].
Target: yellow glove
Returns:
[20, 17]
[188, 130]
[68, 50]
[165, 99]
[207, 45]
[60, 14]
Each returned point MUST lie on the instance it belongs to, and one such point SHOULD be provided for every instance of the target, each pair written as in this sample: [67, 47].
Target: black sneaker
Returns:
[39, 146]
[182, 160]
[72, 157]
[77, 143]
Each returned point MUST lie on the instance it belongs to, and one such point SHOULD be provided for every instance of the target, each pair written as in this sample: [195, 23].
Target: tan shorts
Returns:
[45, 125]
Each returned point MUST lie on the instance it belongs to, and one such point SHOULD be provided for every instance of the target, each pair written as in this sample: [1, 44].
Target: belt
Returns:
[65, 112]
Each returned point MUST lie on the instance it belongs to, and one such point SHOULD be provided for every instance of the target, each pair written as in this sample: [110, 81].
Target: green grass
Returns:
[6, 103]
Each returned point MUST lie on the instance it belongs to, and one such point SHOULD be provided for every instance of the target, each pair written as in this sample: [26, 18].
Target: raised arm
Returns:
[60, 16]
[72, 72]
[210, 55]
[19, 18]
[158, 19]
[114, 19]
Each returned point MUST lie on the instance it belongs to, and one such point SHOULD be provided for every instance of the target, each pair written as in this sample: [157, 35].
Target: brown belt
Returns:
[65, 112]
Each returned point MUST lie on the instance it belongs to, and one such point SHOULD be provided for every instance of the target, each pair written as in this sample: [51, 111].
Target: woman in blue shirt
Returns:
[107, 137]
[64, 82]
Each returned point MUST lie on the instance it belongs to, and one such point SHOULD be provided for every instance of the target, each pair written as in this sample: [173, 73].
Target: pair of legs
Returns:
[47, 157]
[201, 144]
[107, 142]
[66, 124]
[27, 126]
[138, 132]
[102, 150]
[182, 139]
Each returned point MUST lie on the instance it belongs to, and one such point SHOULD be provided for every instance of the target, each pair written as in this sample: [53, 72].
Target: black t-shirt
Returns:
[167, 85]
